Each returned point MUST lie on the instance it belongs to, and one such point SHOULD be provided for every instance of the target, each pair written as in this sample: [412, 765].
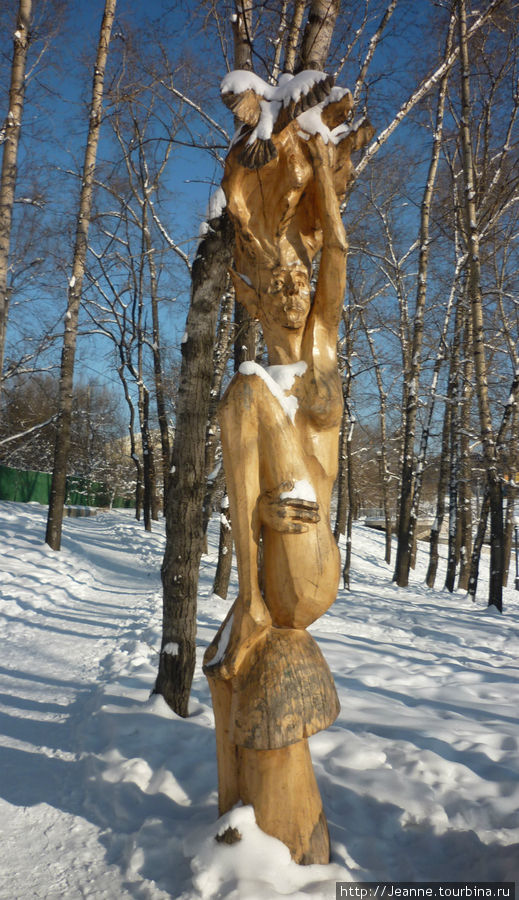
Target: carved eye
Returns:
[277, 285]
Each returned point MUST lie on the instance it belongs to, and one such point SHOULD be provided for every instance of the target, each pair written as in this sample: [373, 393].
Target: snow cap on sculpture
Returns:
[275, 219]
[267, 108]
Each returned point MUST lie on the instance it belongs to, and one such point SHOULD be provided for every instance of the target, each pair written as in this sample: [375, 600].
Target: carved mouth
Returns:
[293, 309]
[294, 317]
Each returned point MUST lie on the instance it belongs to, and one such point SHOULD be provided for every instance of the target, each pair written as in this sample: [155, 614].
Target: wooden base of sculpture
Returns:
[282, 693]
[281, 786]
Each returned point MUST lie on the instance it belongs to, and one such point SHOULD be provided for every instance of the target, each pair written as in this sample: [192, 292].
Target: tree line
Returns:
[428, 345]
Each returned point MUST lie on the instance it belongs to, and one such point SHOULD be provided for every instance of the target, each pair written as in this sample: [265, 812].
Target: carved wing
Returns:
[310, 97]
[270, 109]
[245, 106]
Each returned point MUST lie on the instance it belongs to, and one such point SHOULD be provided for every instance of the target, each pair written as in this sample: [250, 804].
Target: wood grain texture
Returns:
[283, 692]
[270, 684]
[281, 786]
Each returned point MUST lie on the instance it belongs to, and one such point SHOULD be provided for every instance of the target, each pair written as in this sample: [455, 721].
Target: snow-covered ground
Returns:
[105, 793]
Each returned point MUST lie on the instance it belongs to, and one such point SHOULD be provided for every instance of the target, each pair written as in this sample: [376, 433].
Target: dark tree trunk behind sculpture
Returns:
[186, 484]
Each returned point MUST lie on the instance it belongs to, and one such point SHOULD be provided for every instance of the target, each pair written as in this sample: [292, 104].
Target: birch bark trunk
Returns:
[453, 398]
[475, 298]
[12, 129]
[382, 455]
[464, 489]
[318, 34]
[62, 447]
[406, 522]
[440, 500]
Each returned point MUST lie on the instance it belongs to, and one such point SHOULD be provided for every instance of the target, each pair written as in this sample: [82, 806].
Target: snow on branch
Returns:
[197, 108]
[427, 85]
[371, 50]
[22, 434]
[169, 240]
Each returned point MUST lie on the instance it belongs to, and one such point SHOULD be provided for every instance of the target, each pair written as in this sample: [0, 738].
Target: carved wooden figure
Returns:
[270, 685]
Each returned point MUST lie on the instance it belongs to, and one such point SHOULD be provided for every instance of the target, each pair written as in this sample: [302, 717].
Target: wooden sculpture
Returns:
[271, 687]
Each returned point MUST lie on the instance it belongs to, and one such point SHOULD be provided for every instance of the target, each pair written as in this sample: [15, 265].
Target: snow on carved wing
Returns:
[266, 109]
[313, 95]
[245, 105]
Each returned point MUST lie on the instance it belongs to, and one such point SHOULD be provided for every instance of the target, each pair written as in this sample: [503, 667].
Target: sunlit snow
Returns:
[106, 794]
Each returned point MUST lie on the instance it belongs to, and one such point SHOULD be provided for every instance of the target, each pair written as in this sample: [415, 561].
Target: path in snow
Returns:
[105, 794]
[63, 615]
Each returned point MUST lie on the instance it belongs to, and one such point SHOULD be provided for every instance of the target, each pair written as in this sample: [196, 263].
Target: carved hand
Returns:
[289, 515]
[249, 624]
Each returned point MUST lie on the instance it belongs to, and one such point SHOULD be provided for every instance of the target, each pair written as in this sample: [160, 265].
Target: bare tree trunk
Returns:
[406, 521]
[12, 128]
[148, 464]
[426, 431]
[342, 494]
[351, 497]
[513, 494]
[186, 489]
[345, 348]
[454, 463]
[131, 432]
[143, 185]
[373, 44]
[509, 411]
[318, 34]
[224, 566]
[383, 466]
[440, 499]
[245, 336]
[157, 363]
[222, 349]
[480, 363]
[478, 545]
[455, 396]
[61, 453]
[293, 35]
[464, 488]
[388, 526]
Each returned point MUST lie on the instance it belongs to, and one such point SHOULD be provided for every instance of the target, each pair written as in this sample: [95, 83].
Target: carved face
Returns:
[285, 297]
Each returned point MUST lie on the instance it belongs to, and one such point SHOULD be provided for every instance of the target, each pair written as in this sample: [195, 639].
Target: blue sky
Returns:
[66, 77]
[54, 130]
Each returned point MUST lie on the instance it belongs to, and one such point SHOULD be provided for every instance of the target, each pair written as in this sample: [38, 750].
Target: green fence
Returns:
[25, 486]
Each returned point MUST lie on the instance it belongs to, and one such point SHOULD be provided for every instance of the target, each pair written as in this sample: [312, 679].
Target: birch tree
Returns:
[476, 303]
[406, 522]
[61, 452]
[10, 139]
[147, 122]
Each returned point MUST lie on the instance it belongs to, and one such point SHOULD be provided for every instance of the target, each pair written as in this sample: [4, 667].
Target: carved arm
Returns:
[331, 283]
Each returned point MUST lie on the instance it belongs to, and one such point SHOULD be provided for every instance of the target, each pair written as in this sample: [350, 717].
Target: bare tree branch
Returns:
[427, 85]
